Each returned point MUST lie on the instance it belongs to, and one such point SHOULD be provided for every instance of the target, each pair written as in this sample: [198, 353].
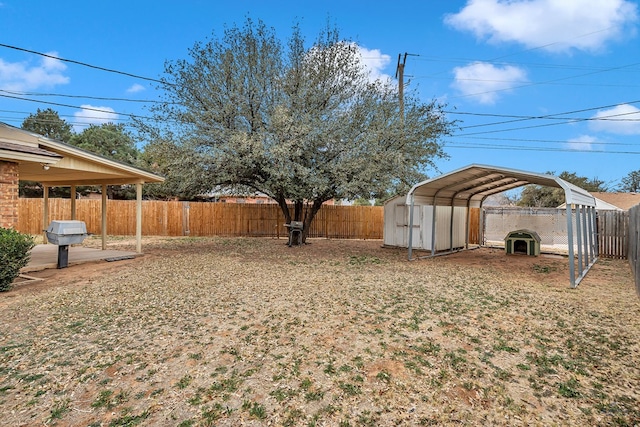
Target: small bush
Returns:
[15, 250]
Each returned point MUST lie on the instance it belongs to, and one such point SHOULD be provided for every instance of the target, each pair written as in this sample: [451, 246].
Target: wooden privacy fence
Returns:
[162, 218]
[613, 234]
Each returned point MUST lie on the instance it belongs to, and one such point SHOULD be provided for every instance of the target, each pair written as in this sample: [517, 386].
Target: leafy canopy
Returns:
[109, 140]
[299, 124]
[631, 182]
[551, 197]
[48, 123]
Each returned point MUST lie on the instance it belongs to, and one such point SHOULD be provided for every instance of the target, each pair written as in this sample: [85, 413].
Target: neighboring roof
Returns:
[624, 201]
[470, 185]
[67, 165]
[601, 205]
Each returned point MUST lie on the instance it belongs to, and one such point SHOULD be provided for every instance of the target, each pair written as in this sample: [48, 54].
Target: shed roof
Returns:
[470, 185]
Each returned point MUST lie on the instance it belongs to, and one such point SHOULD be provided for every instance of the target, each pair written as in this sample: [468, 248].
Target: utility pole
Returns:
[400, 77]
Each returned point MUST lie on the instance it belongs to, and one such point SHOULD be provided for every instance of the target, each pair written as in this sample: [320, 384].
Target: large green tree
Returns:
[631, 182]
[301, 124]
[109, 140]
[48, 123]
[551, 197]
[181, 165]
[112, 141]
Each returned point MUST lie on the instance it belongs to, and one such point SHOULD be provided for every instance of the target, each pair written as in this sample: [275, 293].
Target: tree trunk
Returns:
[298, 211]
[317, 204]
[282, 202]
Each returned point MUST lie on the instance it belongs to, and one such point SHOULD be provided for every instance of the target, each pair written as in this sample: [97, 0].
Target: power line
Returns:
[521, 148]
[550, 141]
[84, 64]
[547, 117]
[133, 116]
[98, 98]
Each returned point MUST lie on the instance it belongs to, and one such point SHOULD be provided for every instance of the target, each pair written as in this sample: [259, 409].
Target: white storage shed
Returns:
[396, 226]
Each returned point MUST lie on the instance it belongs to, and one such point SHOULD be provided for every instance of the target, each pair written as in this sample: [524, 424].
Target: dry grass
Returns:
[231, 332]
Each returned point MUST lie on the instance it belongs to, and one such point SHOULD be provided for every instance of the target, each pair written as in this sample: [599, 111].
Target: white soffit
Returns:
[470, 185]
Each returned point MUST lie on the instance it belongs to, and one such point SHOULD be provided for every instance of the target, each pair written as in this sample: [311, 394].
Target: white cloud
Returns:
[20, 76]
[623, 119]
[90, 115]
[374, 62]
[485, 82]
[582, 143]
[136, 88]
[554, 25]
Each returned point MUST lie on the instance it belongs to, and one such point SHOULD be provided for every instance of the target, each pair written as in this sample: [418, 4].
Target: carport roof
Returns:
[471, 185]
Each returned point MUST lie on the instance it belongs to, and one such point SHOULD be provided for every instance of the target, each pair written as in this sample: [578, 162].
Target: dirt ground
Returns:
[555, 266]
[252, 332]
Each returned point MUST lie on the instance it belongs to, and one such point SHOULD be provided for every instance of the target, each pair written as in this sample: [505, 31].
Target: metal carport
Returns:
[471, 185]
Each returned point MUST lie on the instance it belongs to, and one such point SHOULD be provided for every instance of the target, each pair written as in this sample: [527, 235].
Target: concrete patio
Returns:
[46, 256]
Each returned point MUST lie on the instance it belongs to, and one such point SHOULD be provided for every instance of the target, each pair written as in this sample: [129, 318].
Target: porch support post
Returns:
[139, 218]
[73, 202]
[45, 211]
[104, 217]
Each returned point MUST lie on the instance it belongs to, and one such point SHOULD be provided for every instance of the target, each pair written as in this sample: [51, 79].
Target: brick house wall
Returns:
[9, 177]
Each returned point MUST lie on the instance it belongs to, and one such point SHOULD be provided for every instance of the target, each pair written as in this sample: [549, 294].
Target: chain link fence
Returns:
[549, 223]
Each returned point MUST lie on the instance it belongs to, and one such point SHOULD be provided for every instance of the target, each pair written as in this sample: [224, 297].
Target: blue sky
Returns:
[538, 85]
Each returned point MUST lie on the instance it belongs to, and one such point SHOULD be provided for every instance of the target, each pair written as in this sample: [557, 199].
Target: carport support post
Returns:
[579, 238]
[572, 261]
[451, 227]
[410, 228]
[433, 228]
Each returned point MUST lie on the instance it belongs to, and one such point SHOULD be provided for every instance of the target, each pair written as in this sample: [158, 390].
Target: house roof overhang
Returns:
[20, 153]
[54, 163]
[471, 185]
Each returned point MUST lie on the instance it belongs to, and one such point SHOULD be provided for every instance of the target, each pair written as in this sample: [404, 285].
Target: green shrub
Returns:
[15, 250]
